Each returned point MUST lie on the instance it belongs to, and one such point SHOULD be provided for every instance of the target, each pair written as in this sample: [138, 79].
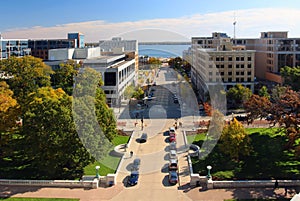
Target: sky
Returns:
[155, 20]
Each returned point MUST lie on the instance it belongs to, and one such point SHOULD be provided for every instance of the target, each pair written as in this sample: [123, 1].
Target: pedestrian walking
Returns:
[276, 184]
[131, 154]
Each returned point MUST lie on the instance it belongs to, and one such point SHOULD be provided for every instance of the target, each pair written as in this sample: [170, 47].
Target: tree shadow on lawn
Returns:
[267, 160]
[264, 161]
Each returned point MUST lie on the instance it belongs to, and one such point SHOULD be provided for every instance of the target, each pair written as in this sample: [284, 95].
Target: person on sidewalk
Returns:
[131, 154]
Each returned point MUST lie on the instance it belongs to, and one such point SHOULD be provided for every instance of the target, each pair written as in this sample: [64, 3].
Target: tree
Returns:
[129, 90]
[55, 150]
[291, 76]
[95, 122]
[8, 108]
[138, 93]
[257, 107]
[207, 108]
[216, 125]
[9, 112]
[263, 92]
[234, 140]
[238, 94]
[27, 75]
[63, 77]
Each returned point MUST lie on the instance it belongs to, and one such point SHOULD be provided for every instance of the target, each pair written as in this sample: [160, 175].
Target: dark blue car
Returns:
[133, 178]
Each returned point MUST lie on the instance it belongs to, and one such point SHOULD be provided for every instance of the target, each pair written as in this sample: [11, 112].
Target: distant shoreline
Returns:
[164, 43]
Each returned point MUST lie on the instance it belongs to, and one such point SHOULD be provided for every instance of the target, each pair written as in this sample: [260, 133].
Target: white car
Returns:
[172, 130]
[173, 154]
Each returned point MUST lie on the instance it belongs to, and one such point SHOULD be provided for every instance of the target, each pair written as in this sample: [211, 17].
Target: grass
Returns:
[110, 163]
[195, 138]
[38, 199]
[268, 158]
[120, 140]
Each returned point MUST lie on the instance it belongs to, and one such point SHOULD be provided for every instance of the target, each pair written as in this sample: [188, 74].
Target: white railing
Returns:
[51, 183]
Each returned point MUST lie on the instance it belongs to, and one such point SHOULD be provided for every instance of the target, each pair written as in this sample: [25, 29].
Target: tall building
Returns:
[40, 47]
[116, 43]
[79, 37]
[13, 47]
[118, 72]
[274, 50]
[117, 68]
[221, 63]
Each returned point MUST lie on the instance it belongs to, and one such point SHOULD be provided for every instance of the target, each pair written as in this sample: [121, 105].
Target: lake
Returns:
[165, 51]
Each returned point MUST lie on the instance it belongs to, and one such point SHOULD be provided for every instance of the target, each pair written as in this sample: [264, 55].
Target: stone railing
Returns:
[86, 182]
[51, 183]
[253, 183]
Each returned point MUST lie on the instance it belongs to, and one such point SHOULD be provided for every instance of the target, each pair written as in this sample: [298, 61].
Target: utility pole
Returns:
[234, 23]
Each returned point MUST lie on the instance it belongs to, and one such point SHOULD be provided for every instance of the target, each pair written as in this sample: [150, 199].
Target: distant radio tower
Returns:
[234, 23]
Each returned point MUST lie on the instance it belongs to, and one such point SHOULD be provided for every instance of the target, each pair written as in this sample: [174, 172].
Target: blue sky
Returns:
[20, 14]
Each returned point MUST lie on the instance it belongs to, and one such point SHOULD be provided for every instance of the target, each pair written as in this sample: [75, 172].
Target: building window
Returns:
[237, 58]
[249, 73]
[222, 73]
[237, 65]
[242, 73]
[237, 79]
[110, 79]
[229, 73]
[210, 66]
[222, 66]
[242, 79]
[210, 79]
[242, 58]
[217, 58]
[249, 65]
[237, 73]
[249, 58]
[242, 65]
[210, 73]
[229, 58]
[229, 79]
[249, 79]
[222, 58]
[230, 66]
[217, 66]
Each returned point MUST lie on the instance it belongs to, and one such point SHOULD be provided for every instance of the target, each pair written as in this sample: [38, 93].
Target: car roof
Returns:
[173, 160]
[137, 159]
[134, 172]
[172, 128]
[172, 151]
[173, 173]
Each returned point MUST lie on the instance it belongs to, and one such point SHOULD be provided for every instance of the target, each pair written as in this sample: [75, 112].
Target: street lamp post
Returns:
[97, 171]
[208, 171]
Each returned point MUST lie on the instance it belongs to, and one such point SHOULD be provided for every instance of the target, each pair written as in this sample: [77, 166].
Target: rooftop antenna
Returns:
[234, 23]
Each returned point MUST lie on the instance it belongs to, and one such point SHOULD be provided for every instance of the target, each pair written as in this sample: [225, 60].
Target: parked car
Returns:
[172, 145]
[173, 154]
[173, 177]
[172, 137]
[136, 164]
[133, 178]
[144, 138]
[173, 164]
[172, 130]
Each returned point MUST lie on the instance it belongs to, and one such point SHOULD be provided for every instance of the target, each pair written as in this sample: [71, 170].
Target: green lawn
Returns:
[110, 163]
[38, 199]
[195, 138]
[268, 159]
